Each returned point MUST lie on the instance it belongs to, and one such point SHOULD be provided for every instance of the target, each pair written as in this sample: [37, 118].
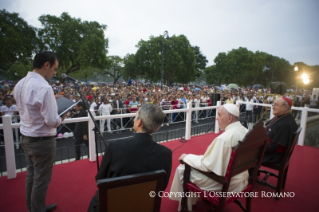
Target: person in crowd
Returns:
[280, 130]
[92, 103]
[257, 109]
[136, 155]
[117, 109]
[297, 103]
[203, 103]
[215, 157]
[174, 104]
[166, 106]
[249, 111]
[133, 105]
[80, 130]
[105, 109]
[229, 100]
[196, 102]
[314, 102]
[8, 108]
[39, 119]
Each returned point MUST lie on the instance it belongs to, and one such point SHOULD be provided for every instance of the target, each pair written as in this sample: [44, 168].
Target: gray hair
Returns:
[152, 118]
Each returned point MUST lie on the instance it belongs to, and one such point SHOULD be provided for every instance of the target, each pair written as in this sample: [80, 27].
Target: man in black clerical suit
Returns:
[80, 130]
[280, 130]
[138, 154]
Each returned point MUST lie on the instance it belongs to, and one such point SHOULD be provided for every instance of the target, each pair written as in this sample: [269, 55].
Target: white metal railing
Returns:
[7, 127]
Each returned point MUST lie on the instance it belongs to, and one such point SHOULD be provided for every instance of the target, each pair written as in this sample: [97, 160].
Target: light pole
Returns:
[167, 37]
[296, 69]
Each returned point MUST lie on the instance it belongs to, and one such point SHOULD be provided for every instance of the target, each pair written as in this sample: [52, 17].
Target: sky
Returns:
[284, 28]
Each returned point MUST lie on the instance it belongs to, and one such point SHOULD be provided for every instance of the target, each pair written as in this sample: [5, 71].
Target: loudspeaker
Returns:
[215, 97]
[278, 88]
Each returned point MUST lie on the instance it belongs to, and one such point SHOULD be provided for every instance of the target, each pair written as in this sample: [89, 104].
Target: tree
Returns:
[116, 68]
[179, 60]
[246, 68]
[200, 61]
[130, 68]
[17, 40]
[78, 44]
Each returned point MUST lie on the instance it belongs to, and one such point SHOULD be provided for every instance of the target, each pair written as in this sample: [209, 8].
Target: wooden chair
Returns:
[246, 155]
[131, 193]
[282, 167]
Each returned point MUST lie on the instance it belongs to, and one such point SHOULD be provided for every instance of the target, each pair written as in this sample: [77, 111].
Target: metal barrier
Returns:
[7, 127]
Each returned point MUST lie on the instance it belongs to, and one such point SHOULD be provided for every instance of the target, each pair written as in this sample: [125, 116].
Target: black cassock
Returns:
[281, 133]
[133, 156]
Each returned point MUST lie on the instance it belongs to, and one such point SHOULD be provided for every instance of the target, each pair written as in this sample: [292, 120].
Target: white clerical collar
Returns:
[232, 125]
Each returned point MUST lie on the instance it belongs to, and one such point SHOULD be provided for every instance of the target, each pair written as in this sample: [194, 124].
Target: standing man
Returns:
[80, 130]
[117, 109]
[39, 119]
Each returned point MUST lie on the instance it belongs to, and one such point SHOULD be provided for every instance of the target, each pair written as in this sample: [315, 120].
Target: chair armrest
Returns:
[211, 175]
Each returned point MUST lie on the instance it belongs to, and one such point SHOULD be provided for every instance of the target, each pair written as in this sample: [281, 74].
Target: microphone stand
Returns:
[95, 129]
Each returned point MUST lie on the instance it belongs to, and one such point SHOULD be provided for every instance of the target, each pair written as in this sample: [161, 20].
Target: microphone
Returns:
[64, 76]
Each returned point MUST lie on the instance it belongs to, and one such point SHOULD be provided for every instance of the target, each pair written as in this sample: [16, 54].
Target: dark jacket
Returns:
[135, 155]
[281, 134]
[81, 128]
[257, 110]
[114, 106]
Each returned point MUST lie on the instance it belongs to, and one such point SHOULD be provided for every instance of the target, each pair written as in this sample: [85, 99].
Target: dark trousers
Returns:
[249, 116]
[78, 143]
[40, 157]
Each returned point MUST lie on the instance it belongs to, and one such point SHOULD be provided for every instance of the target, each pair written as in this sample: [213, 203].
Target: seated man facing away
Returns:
[215, 159]
[138, 154]
[280, 130]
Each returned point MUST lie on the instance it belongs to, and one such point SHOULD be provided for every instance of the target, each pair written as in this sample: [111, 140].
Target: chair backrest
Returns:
[131, 192]
[289, 150]
[249, 152]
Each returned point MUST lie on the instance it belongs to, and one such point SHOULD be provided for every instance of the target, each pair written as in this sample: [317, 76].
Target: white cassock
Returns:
[215, 160]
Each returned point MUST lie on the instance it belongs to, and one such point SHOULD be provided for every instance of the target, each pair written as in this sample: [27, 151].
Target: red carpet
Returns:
[73, 184]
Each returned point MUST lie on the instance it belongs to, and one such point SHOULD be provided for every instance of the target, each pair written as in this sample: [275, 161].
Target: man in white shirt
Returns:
[8, 108]
[196, 104]
[39, 119]
[93, 105]
[313, 102]
[215, 158]
[105, 109]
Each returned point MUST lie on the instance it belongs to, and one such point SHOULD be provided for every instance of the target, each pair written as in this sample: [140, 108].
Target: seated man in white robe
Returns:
[215, 159]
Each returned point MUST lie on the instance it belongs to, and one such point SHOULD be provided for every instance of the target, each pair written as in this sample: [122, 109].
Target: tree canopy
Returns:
[180, 62]
[17, 40]
[78, 44]
[246, 68]
[115, 69]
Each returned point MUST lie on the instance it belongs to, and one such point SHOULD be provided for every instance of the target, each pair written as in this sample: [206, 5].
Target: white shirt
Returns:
[37, 106]
[105, 109]
[93, 105]
[8, 110]
[313, 102]
[249, 106]
[196, 102]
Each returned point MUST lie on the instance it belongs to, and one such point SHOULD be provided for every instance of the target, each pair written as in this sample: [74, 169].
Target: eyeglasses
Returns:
[276, 105]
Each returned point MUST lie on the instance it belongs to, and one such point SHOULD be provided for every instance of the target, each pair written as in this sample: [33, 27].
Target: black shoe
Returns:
[50, 207]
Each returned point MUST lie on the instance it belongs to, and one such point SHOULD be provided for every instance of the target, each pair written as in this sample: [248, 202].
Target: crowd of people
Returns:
[35, 100]
[121, 98]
